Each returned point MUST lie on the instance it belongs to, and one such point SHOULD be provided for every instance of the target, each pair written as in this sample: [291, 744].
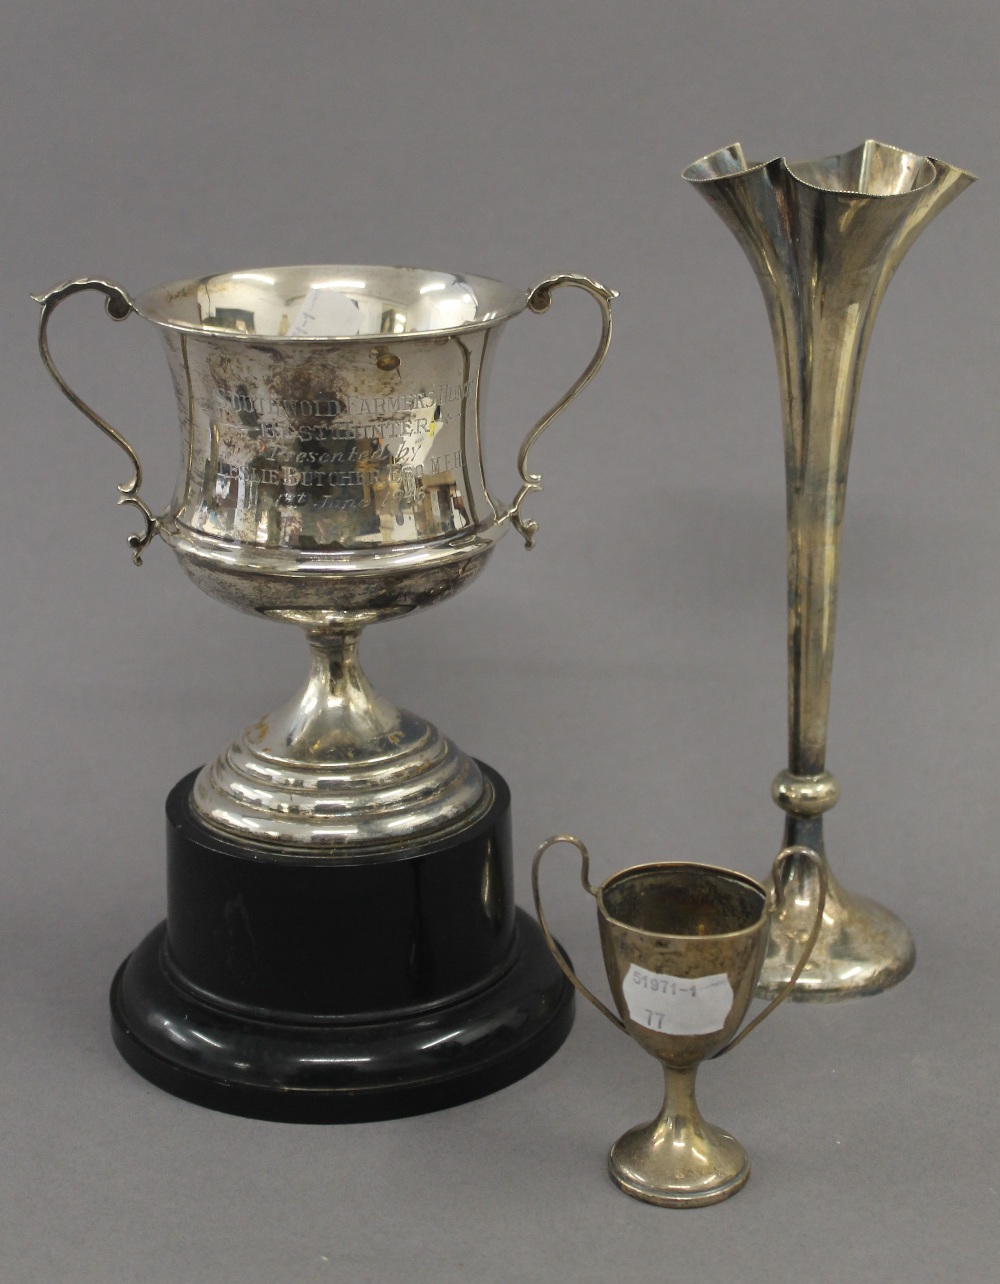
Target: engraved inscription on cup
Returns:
[345, 447]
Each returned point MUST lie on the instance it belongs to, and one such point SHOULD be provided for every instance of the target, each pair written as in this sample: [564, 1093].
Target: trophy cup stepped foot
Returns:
[339, 768]
[330, 991]
[862, 947]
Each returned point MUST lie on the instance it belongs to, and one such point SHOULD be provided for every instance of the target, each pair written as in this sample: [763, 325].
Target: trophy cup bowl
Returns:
[341, 870]
[683, 947]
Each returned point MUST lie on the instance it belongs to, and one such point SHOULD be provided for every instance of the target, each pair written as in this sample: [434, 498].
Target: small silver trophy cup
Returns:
[333, 476]
[683, 945]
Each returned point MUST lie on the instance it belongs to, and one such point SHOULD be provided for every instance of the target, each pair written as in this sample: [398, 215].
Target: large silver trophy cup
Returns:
[341, 939]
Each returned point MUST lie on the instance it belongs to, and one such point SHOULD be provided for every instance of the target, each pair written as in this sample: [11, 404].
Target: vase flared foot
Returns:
[862, 949]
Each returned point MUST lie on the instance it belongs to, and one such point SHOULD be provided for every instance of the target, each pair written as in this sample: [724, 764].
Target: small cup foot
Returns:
[678, 1163]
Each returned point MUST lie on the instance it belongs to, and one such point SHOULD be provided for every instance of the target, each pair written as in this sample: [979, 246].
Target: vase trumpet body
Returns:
[824, 238]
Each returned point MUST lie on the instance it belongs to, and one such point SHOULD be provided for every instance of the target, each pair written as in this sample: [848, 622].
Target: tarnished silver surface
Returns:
[824, 238]
[333, 476]
[683, 946]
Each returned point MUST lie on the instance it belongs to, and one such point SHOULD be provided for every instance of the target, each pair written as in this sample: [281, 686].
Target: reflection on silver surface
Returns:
[324, 303]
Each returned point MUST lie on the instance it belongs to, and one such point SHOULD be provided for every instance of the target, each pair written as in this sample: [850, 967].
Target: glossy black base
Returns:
[308, 990]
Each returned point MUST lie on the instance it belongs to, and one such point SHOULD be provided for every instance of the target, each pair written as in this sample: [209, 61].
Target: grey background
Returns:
[627, 677]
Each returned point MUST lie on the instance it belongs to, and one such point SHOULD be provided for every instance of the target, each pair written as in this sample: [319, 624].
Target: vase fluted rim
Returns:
[873, 170]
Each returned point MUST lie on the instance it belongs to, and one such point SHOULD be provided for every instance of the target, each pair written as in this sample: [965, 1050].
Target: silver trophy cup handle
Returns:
[118, 306]
[557, 951]
[539, 300]
[774, 903]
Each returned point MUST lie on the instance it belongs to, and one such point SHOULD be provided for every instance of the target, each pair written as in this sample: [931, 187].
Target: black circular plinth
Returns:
[311, 989]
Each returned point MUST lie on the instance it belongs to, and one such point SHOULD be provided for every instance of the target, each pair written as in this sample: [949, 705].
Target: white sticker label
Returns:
[678, 1004]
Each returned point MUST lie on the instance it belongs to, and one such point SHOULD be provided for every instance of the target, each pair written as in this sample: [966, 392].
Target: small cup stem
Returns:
[680, 1108]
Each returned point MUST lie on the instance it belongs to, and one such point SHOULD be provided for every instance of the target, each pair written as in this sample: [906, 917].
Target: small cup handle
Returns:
[557, 950]
[119, 306]
[823, 878]
[539, 300]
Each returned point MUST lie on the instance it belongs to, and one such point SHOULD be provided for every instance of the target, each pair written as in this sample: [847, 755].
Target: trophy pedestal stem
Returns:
[339, 769]
[295, 987]
[862, 947]
[679, 1160]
